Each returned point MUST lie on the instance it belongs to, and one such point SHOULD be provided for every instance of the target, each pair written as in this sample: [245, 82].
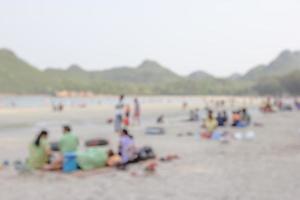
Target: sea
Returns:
[35, 101]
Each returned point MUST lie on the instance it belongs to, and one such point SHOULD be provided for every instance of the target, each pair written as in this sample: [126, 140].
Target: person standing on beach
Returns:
[137, 112]
[126, 120]
[119, 114]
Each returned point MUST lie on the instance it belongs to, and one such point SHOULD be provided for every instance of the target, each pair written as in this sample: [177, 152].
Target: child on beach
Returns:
[126, 122]
[113, 159]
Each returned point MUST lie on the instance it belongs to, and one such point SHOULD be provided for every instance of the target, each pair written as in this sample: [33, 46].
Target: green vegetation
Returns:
[282, 76]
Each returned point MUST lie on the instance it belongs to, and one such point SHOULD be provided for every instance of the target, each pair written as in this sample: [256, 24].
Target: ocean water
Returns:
[46, 101]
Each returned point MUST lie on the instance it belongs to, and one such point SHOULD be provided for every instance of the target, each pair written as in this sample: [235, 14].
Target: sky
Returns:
[218, 36]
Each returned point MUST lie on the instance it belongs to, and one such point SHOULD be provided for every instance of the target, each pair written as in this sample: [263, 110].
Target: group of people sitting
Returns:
[240, 119]
[278, 104]
[42, 156]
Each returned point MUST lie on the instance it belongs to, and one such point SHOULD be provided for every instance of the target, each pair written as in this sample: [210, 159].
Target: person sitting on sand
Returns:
[222, 118]
[127, 149]
[91, 158]
[69, 142]
[267, 106]
[160, 119]
[39, 151]
[210, 124]
[113, 159]
[236, 118]
[245, 118]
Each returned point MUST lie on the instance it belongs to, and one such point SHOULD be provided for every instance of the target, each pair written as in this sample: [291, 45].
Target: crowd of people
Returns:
[43, 156]
[279, 104]
[210, 122]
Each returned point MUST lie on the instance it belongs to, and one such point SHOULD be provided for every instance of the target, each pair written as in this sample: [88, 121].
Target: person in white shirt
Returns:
[119, 109]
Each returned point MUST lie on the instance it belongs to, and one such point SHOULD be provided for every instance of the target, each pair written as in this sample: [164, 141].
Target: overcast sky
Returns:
[218, 36]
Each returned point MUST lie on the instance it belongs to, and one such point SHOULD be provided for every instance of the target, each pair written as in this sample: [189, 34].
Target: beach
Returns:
[266, 167]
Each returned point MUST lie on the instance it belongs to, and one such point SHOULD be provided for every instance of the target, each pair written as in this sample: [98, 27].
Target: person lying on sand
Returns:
[97, 157]
[91, 158]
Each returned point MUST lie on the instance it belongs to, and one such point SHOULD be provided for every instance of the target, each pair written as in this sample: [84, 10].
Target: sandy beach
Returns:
[265, 168]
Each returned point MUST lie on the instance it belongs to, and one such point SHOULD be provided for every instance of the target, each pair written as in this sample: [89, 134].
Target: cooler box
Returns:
[70, 163]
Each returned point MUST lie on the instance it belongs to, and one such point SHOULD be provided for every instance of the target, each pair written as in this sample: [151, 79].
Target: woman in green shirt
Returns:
[39, 151]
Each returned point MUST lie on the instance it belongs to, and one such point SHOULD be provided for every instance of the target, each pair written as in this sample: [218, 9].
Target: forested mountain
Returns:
[17, 76]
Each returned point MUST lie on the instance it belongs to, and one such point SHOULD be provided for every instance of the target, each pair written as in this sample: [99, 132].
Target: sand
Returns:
[264, 168]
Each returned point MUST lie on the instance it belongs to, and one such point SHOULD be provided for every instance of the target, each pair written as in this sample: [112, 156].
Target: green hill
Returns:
[200, 75]
[16, 75]
[19, 77]
[147, 72]
[284, 64]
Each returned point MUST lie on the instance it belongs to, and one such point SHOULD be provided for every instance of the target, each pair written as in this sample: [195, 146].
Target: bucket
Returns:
[70, 163]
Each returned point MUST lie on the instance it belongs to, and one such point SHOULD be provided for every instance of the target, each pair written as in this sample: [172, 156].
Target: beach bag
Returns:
[146, 153]
[54, 146]
[96, 142]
